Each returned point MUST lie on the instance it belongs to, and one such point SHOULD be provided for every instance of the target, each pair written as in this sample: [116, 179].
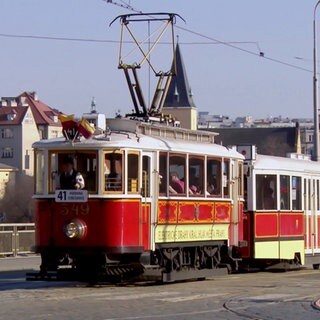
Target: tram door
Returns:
[235, 174]
[149, 197]
[311, 204]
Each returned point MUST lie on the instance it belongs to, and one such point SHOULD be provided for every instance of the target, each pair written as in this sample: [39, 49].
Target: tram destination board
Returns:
[71, 196]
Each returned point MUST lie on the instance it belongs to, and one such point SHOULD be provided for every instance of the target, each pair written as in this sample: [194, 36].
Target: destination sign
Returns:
[71, 196]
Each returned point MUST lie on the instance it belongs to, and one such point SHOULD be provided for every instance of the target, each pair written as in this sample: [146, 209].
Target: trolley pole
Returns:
[315, 88]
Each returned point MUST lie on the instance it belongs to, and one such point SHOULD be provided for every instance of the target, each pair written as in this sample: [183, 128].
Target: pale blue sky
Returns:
[224, 79]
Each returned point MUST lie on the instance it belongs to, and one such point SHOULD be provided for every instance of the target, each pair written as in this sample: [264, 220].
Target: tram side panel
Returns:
[112, 226]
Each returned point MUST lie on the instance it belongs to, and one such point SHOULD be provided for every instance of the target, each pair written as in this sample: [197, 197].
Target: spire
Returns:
[179, 93]
[93, 105]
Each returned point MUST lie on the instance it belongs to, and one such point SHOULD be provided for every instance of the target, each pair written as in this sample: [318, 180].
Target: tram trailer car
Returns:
[281, 221]
[128, 220]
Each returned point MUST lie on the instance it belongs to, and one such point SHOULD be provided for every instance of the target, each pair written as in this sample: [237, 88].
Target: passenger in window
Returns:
[194, 182]
[212, 186]
[176, 185]
[210, 189]
[113, 180]
[70, 178]
[284, 198]
[268, 201]
[194, 190]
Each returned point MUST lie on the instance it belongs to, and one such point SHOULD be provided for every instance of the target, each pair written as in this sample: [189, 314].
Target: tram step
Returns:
[193, 274]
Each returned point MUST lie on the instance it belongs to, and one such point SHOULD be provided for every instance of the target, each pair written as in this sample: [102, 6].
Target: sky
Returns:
[66, 51]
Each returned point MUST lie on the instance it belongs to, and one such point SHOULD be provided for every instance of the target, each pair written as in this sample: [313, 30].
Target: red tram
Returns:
[128, 211]
[282, 211]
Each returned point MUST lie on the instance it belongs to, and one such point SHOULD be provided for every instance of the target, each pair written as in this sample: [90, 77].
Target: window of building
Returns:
[54, 134]
[7, 153]
[7, 133]
[28, 118]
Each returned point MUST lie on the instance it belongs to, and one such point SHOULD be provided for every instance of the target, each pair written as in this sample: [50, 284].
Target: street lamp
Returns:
[315, 88]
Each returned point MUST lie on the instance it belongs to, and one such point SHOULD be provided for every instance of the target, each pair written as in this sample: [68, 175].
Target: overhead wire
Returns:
[38, 37]
[259, 54]
[213, 41]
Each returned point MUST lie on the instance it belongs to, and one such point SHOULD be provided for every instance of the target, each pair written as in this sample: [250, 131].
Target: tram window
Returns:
[133, 172]
[196, 173]
[296, 193]
[266, 192]
[163, 173]
[240, 177]
[213, 177]
[145, 176]
[54, 172]
[39, 176]
[284, 192]
[177, 167]
[113, 171]
[226, 178]
[84, 163]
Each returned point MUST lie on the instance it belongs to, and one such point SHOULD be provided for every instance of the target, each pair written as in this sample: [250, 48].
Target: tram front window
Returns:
[113, 166]
[39, 176]
[73, 170]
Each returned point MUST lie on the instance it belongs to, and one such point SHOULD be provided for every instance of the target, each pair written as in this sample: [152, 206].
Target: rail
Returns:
[16, 238]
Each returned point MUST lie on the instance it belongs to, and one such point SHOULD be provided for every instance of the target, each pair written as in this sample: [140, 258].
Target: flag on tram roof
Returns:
[67, 121]
[69, 126]
[85, 128]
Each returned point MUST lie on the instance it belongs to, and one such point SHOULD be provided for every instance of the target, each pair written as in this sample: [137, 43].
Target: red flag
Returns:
[69, 126]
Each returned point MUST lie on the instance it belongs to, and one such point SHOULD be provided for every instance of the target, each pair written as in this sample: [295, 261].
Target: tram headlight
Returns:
[75, 229]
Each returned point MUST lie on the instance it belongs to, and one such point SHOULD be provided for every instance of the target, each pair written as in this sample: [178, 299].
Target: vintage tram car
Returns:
[128, 216]
[282, 210]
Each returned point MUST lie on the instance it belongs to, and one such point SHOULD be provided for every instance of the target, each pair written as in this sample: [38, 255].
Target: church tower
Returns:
[179, 102]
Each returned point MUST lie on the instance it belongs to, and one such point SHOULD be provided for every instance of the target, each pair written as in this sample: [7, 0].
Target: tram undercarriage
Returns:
[166, 264]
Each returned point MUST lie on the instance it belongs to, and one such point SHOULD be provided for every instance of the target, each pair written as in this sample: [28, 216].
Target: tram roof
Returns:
[296, 164]
[144, 138]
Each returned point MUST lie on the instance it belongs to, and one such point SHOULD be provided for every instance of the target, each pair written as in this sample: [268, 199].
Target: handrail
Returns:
[16, 238]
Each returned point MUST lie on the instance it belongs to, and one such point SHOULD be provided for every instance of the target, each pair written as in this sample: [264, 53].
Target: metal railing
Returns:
[16, 238]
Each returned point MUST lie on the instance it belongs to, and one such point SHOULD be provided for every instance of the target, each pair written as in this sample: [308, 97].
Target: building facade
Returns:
[23, 120]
